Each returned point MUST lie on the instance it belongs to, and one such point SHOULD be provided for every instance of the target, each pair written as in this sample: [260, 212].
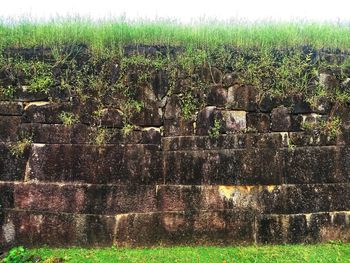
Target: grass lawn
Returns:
[331, 252]
[112, 34]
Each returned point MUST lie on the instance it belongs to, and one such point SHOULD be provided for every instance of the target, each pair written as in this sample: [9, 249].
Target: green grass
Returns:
[332, 252]
[113, 34]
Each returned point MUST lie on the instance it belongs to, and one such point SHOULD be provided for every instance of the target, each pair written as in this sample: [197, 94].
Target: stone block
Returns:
[84, 198]
[217, 96]
[259, 122]
[11, 108]
[160, 83]
[322, 105]
[150, 115]
[328, 81]
[119, 164]
[55, 229]
[230, 79]
[205, 197]
[303, 228]
[111, 118]
[300, 105]
[12, 168]
[311, 165]
[234, 121]
[206, 119]
[268, 102]
[180, 228]
[151, 136]
[6, 195]
[58, 133]
[45, 112]
[223, 167]
[178, 127]
[242, 97]
[281, 119]
[9, 128]
[172, 108]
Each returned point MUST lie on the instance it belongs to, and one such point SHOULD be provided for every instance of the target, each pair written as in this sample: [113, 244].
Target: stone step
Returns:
[111, 199]
[258, 166]
[203, 227]
[227, 227]
[246, 140]
[303, 228]
[272, 199]
[78, 198]
[116, 164]
[146, 164]
[32, 228]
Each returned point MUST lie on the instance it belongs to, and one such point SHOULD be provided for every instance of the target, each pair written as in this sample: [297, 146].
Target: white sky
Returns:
[183, 10]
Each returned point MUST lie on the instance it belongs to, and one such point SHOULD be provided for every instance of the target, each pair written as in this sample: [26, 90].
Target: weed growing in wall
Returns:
[214, 132]
[68, 118]
[18, 148]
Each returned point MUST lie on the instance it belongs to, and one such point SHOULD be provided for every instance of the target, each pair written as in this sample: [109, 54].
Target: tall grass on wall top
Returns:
[108, 34]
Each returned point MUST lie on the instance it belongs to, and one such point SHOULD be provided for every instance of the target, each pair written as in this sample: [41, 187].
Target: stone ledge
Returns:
[19, 227]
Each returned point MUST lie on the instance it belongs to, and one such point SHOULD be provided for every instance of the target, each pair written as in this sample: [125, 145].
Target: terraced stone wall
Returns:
[246, 168]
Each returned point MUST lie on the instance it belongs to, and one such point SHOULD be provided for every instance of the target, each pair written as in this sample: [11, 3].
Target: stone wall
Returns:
[244, 169]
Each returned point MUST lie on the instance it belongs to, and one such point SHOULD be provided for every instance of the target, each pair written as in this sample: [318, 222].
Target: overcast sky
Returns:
[183, 10]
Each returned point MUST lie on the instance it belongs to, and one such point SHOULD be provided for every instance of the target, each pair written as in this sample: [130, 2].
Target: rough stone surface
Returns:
[173, 228]
[234, 121]
[137, 164]
[217, 96]
[241, 97]
[246, 167]
[11, 108]
[259, 122]
[281, 119]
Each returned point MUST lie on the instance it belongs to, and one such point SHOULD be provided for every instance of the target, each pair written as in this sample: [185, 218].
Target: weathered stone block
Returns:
[268, 102]
[160, 83]
[111, 118]
[55, 229]
[311, 165]
[242, 97]
[206, 119]
[151, 136]
[58, 133]
[12, 168]
[178, 127]
[24, 95]
[223, 167]
[9, 128]
[11, 108]
[322, 105]
[150, 115]
[281, 119]
[230, 79]
[259, 122]
[172, 108]
[328, 81]
[136, 164]
[300, 105]
[195, 197]
[234, 121]
[83, 198]
[303, 228]
[45, 112]
[171, 228]
[217, 96]
[6, 195]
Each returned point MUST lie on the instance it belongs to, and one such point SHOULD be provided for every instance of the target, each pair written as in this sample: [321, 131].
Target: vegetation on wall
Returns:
[114, 59]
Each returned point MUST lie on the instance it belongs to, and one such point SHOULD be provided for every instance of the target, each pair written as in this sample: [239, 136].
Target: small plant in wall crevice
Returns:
[214, 132]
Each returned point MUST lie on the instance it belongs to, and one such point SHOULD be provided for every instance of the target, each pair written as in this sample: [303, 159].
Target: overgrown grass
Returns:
[113, 34]
[333, 252]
